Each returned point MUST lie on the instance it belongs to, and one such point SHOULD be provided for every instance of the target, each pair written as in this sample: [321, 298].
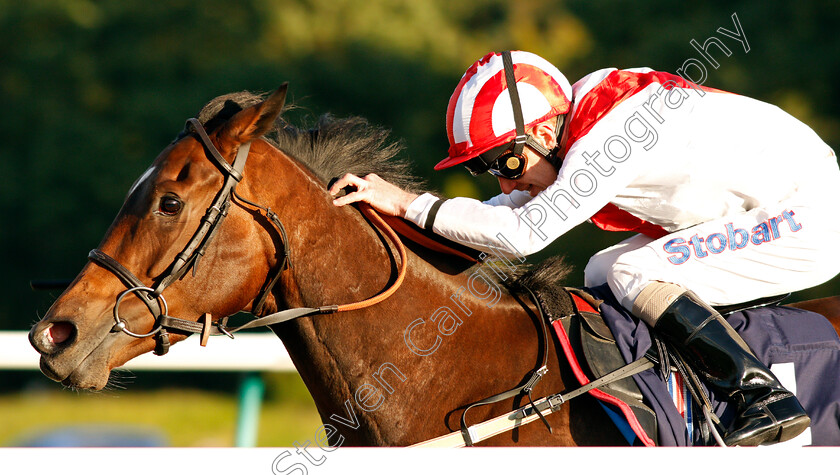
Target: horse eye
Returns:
[169, 206]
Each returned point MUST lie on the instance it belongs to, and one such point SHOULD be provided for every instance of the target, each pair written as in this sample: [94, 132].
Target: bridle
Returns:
[195, 249]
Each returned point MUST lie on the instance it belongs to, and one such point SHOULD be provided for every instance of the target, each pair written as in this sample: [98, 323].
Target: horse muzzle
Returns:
[66, 358]
[49, 338]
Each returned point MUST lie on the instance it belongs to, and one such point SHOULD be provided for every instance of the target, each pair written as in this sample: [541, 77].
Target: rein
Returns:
[195, 248]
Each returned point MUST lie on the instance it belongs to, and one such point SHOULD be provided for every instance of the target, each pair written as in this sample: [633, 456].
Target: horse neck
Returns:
[330, 249]
[338, 258]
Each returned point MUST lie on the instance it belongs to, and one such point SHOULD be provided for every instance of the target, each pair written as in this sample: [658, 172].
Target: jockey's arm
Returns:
[515, 220]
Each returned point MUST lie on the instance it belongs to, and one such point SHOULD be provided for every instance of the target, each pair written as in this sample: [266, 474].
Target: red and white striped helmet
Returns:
[480, 115]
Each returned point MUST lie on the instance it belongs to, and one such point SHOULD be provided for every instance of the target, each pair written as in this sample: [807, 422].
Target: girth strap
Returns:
[642, 364]
[537, 409]
[525, 388]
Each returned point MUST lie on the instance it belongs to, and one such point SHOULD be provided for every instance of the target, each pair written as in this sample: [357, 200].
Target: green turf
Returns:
[185, 418]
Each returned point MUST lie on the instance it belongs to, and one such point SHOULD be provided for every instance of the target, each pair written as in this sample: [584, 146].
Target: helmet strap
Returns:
[522, 138]
[552, 157]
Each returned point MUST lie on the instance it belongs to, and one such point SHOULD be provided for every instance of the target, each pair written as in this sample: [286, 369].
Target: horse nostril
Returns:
[60, 332]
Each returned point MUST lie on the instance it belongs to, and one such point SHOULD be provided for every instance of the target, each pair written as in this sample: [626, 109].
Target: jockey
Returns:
[732, 199]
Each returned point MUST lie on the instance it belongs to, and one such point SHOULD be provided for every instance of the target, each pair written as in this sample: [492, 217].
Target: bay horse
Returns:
[280, 227]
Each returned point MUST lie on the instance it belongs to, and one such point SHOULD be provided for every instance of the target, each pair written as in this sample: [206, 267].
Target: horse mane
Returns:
[330, 148]
[335, 146]
[548, 276]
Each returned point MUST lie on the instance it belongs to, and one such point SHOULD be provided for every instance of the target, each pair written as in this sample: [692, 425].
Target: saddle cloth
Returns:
[800, 347]
[590, 351]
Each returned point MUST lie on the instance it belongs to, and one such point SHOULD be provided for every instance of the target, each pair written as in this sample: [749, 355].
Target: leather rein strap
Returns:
[194, 250]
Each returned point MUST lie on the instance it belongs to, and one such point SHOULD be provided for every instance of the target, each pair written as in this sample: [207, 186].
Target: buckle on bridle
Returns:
[162, 343]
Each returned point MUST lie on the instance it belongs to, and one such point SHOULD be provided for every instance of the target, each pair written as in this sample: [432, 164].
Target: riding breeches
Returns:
[770, 250]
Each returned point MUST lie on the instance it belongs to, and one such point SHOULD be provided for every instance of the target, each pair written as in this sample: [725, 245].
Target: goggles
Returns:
[500, 161]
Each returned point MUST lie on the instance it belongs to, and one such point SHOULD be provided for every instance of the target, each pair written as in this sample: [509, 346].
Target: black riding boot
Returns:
[766, 413]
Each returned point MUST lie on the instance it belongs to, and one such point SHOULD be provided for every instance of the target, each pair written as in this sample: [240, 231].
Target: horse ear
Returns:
[253, 122]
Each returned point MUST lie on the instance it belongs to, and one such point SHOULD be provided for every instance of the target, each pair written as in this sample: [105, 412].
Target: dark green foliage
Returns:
[92, 91]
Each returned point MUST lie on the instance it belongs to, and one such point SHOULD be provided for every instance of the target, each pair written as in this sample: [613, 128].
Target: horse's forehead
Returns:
[174, 158]
[168, 165]
[186, 149]
[143, 178]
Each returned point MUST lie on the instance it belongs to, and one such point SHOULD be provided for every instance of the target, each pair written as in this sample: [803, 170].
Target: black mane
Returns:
[331, 148]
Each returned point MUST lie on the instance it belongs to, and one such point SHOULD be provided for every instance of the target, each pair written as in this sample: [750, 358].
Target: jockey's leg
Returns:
[600, 264]
[740, 258]
[763, 252]
[765, 411]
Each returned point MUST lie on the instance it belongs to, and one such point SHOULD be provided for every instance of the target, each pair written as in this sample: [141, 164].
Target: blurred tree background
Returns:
[93, 90]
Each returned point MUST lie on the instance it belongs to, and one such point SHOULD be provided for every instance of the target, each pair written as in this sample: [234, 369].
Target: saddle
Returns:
[591, 352]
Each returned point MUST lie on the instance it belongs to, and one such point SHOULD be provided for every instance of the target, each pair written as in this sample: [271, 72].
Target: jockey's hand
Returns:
[381, 195]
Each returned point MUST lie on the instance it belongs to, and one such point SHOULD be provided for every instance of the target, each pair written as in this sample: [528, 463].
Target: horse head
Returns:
[108, 315]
